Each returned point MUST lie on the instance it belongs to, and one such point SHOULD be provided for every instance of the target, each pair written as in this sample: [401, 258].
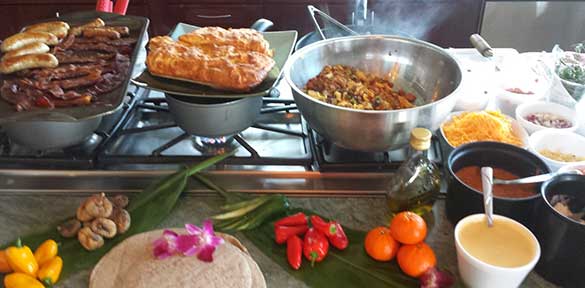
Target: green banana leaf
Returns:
[351, 267]
[147, 210]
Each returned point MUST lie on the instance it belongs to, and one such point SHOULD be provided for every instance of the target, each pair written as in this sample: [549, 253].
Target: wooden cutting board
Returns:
[132, 264]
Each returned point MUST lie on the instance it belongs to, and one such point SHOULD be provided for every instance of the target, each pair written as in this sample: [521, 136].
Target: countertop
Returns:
[24, 214]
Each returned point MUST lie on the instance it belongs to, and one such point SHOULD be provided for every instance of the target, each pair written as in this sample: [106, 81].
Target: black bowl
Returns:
[562, 240]
[462, 200]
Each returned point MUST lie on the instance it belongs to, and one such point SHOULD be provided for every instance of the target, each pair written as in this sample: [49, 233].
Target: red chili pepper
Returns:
[292, 220]
[315, 246]
[44, 102]
[294, 249]
[332, 230]
[282, 233]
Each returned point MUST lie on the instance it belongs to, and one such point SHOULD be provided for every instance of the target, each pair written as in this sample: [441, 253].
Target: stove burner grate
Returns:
[163, 142]
[332, 158]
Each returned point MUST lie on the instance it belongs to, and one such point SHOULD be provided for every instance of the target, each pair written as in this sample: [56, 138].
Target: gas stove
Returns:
[280, 153]
[144, 136]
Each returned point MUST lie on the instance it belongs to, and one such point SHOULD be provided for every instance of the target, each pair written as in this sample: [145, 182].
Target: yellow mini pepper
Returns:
[4, 265]
[21, 280]
[50, 271]
[46, 251]
[21, 259]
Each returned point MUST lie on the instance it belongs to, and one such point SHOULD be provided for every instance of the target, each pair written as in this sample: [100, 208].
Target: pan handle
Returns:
[138, 83]
[313, 11]
[262, 25]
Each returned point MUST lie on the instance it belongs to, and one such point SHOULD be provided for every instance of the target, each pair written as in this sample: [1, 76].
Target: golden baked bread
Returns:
[243, 39]
[224, 67]
[234, 59]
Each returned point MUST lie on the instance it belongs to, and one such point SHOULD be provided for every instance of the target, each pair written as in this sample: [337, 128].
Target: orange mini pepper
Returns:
[4, 265]
[21, 280]
[50, 271]
[46, 252]
[21, 259]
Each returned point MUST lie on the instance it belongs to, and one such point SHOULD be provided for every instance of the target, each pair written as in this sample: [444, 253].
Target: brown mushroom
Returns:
[89, 240]
[104, 227]
[120, 201]
[82, 214]
[98, 206]
[122, 219]
[69, 228]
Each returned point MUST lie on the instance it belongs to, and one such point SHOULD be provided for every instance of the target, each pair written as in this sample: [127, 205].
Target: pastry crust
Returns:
[227, 67]
[243, 39]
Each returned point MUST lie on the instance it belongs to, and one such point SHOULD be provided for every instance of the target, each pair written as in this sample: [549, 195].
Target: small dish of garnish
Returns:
[560, 156]
[466, 127]
[570, 67]
[558, 148]
[523, 78]
[535, 116]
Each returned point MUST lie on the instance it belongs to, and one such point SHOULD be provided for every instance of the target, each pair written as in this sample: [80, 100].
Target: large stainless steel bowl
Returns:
[417, 66]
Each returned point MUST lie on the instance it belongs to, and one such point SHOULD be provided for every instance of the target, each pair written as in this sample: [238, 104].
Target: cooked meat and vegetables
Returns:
[353, 88]
[83, 63]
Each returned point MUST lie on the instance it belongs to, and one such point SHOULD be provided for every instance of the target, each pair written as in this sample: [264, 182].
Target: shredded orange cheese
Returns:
[480, 126]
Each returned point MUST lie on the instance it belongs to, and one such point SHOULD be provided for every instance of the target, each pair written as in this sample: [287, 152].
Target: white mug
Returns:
[478, 274]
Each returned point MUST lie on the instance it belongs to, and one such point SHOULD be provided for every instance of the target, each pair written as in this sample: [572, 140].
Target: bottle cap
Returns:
[420, 138]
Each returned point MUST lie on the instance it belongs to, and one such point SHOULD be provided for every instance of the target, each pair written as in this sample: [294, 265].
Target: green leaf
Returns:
[351, 267]
[147, 210]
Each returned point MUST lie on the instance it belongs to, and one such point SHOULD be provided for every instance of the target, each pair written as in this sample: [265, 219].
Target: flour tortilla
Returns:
[131, 264]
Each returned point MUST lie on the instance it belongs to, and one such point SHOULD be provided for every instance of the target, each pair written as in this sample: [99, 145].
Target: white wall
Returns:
[534, 25]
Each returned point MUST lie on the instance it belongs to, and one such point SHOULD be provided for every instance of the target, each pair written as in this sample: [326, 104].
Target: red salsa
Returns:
[471, 175]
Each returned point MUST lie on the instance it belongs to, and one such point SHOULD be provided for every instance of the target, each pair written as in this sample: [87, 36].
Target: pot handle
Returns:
[481, 45]
[313, 11]
[262, 25]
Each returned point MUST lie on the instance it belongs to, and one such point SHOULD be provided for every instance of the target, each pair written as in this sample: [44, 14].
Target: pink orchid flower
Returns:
[200, 240]
[165, 246]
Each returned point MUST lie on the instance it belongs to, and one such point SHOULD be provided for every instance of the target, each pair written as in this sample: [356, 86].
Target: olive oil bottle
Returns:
[417, 182]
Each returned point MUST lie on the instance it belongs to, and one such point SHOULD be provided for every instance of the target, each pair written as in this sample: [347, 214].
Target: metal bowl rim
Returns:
[298, 54]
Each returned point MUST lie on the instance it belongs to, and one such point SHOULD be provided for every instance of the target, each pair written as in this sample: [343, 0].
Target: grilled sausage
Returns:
[14, 64]
[20, 40]
[93, 24]
[123, 30]
[101, 32]
[58, 28]
[33, 48]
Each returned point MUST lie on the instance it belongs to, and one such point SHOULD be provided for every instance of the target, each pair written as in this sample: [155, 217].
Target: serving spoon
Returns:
[487, 177]
[535, 179]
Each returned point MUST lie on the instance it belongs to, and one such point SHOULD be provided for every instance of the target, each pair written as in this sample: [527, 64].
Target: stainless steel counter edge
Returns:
[302, 183]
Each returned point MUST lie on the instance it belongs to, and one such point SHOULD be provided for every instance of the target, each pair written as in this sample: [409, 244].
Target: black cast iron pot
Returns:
[462, 200]
[562, 240]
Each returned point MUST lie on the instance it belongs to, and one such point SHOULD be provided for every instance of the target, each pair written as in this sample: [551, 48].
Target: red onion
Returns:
[434, 278]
